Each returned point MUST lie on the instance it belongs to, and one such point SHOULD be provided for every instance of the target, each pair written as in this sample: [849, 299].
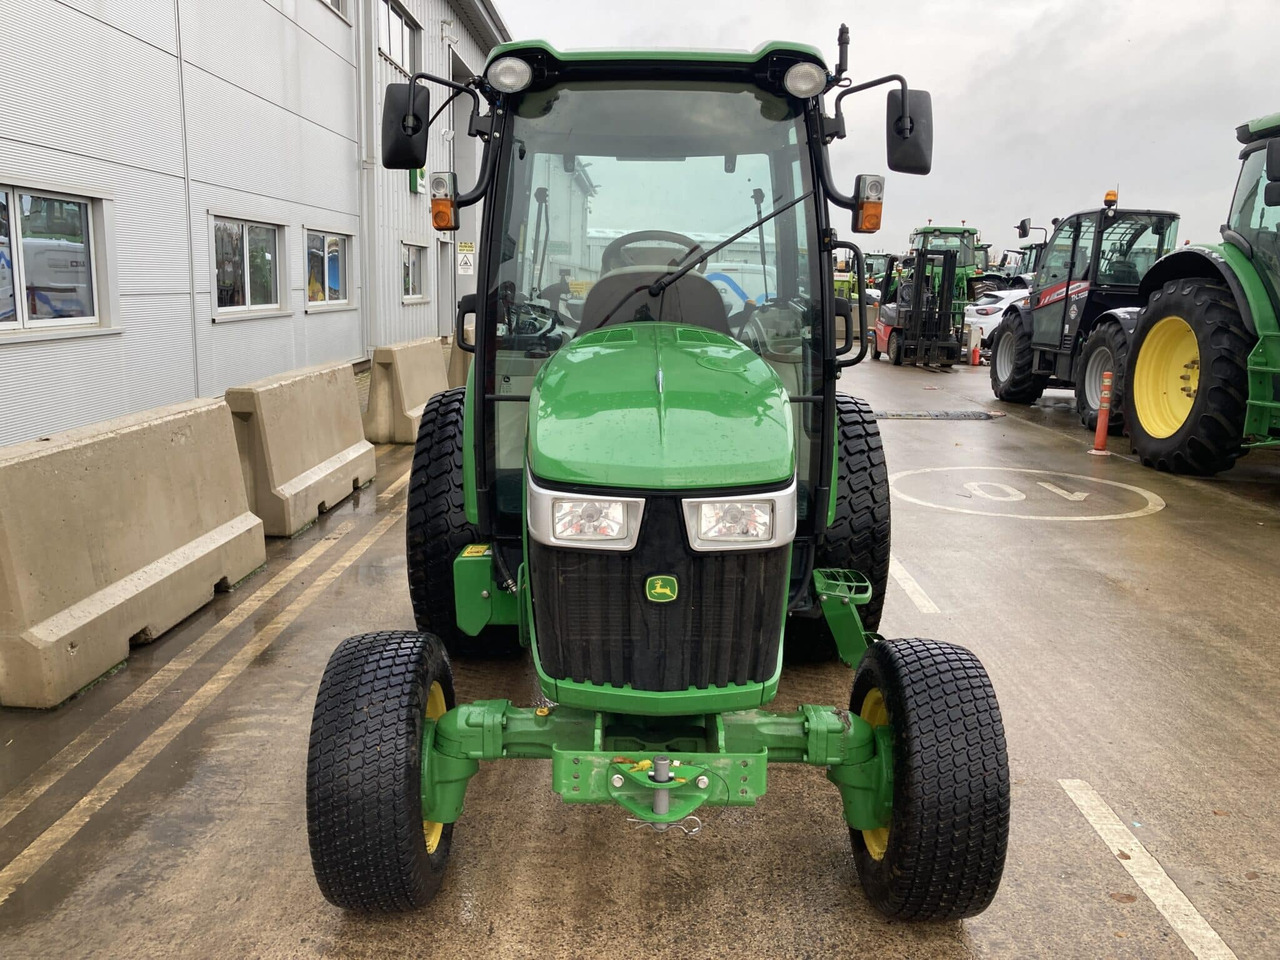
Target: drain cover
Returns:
[932, 415]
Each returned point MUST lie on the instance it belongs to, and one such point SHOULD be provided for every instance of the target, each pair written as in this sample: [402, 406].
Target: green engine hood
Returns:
[659, 406]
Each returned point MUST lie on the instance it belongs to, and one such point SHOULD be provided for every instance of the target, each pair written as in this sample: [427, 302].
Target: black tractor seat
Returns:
[693, 299]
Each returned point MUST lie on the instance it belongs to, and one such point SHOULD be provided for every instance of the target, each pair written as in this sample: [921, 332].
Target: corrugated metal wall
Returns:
[92, 101]
[404, 217]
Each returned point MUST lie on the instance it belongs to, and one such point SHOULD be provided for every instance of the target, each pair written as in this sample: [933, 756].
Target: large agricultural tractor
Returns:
[656, 498]
[1081, 309]
[1204, 361]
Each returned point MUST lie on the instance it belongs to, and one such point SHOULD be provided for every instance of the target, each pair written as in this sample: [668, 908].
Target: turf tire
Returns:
[1108, 336]
[950, 823]
[438, 529]
[1020, 383]
[859, 537]
[1209, 441]
[364, 804]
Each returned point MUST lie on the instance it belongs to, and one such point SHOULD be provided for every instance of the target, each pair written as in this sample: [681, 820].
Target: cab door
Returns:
[1049, 292]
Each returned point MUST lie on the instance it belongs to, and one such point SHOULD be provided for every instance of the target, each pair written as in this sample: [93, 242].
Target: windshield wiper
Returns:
[655, 289]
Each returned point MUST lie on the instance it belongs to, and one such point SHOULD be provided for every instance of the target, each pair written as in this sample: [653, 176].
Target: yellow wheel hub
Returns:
[431, 830]
[877, 715]
[1166, 377]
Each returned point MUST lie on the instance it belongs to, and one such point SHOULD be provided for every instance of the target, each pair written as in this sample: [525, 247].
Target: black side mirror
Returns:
[404, 126]
[909, 137]
[1024, 228]
[1271, 195]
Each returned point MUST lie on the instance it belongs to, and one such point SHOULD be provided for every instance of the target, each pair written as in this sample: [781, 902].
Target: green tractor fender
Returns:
[1219, 261]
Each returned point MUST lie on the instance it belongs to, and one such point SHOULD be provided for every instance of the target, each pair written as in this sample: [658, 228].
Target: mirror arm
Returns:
[481, 126]
[862, 306]
[890, 78]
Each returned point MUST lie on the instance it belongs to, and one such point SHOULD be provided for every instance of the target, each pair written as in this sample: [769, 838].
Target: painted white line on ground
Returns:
[1200, 938]
[57, 766]
[38, 853]
[913, 590]
[1054, 488]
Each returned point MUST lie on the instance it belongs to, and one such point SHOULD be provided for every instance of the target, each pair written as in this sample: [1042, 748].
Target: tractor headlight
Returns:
[765, 520]
[558, 518]
[509, 74]
[589, 520]
[804, 80]
[746, 520]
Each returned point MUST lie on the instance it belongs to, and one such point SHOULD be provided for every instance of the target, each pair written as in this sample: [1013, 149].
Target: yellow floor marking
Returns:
[913, 590]
[394, 488]
[37, 854]
[1200, 938]
[57, 766]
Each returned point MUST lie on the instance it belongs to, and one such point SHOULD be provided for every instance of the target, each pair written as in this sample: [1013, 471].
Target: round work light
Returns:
[509, 74]
[804, 80]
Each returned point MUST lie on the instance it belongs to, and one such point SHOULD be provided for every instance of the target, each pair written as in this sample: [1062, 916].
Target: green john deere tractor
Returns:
[656, 497]
[1204, 358]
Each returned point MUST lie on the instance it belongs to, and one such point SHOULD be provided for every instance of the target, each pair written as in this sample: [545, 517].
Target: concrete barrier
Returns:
[458, 362]
[404, 376]
[302, 445]
[113, 533]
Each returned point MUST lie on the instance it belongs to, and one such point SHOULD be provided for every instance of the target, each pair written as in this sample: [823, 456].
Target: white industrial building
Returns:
[191, 195]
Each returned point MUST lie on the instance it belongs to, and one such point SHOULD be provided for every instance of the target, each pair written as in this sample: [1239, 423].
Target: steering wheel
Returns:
[615, 256]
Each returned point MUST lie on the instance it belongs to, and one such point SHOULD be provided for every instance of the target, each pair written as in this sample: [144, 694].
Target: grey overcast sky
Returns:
[1040, 106]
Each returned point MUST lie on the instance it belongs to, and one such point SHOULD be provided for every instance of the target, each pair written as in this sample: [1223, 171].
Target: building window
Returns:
[245, 265]
[415, 259]
[46, 260]
[326, 268]
[397, 35]
[337, 5]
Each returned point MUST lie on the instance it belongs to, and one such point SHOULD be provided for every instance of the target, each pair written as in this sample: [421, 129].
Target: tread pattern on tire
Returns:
[895, 348]
[437, 529]
[1024, 385]
[950, 827]
[859, 539]
[364, 807]
[1111, 335]
[1210, 441]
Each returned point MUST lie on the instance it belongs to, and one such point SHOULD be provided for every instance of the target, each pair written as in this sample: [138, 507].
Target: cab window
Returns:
[1056, 260]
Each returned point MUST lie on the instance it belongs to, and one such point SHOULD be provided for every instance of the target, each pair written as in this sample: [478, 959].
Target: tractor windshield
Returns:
[609, 184]
[962, 243]
[1131, 243]
[1253, 219]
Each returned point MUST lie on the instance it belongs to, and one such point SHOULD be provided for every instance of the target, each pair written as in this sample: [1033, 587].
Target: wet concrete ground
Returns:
[161, 814]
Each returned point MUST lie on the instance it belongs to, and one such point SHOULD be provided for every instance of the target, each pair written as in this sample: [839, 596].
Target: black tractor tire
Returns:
[1107, 340]
[1013, 378]
[895, 348]
[949, 829]
[364, 784]
[860, 536]
[1209, 440]
[437, 530]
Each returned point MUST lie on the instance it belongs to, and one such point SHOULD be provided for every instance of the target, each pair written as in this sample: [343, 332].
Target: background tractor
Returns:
[654, 496]
[1204, 365]
[1081, 309]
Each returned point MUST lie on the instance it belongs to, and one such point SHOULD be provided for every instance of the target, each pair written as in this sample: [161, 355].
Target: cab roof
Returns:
[799, 51]
[1261, 129]
[932, 229]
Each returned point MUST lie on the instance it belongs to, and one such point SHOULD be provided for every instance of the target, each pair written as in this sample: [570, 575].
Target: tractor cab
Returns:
[1081, 308]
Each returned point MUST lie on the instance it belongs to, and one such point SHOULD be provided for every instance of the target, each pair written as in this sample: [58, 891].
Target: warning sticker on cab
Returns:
[476, 550]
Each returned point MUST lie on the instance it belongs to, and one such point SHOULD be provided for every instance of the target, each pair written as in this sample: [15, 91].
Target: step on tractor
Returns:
[1204, 365]
[1081, 309]
[918, 321]
[654, 498]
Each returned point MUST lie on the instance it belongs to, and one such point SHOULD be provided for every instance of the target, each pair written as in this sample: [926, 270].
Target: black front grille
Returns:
[595, 623]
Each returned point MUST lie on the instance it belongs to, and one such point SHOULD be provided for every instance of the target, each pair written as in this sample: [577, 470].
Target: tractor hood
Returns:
[659, 406]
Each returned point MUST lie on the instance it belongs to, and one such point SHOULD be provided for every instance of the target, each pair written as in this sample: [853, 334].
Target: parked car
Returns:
[984, 313]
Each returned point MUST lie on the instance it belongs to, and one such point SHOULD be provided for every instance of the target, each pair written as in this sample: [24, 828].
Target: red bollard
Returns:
[1104, 419]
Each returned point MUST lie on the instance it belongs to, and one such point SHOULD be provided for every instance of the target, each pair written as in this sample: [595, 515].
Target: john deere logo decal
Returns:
[661, 589]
